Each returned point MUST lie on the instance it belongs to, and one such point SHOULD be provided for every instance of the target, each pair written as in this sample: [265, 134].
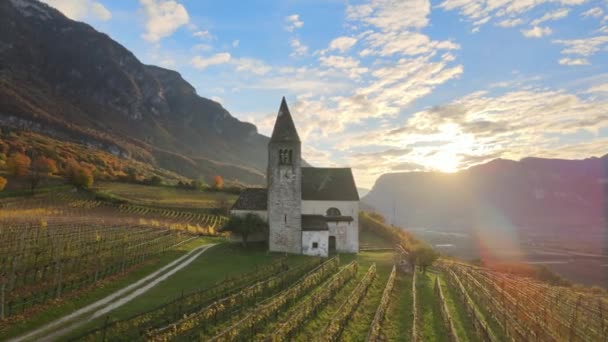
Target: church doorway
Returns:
[332, 244]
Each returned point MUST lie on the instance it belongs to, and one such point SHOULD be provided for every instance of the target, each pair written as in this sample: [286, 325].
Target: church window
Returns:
[285, 157]
[315, 245]
[333, 212]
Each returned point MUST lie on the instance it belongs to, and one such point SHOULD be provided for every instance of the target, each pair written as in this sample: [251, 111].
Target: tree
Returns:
[245, 226]
[197, 185]
[78, 175]
[18, 164]
[42, 167]
[3, 182]
[218, 183]
[83, 178]
[424, 256]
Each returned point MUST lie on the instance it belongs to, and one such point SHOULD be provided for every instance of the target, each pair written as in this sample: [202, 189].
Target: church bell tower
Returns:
[284, 178]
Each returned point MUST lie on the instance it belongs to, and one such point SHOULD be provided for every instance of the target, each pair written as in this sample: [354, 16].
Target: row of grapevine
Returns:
[529, 310]
[248, 326]
[415, 319]
[41, 262]
[481, 326]
[288, 327]
[138, 326]
[374, 330]
[445, 312]
[336, 326]
[183, 216]
[221, 308]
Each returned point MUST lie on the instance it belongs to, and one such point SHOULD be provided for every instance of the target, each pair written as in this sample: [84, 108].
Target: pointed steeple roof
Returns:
[284, 128]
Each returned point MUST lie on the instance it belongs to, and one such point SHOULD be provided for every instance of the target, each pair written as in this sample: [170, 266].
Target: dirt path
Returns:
[107, 304]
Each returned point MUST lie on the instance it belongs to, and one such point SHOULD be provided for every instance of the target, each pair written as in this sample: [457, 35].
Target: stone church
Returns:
[309, 210]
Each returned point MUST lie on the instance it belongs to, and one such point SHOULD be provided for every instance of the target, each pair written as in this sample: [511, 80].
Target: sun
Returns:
[445, 161]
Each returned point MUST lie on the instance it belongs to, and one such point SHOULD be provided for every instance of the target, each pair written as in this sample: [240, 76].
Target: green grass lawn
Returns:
[100, 290]
[165, 196]
[463, 324]
[431, 324]
[215, 264]
[397, 325]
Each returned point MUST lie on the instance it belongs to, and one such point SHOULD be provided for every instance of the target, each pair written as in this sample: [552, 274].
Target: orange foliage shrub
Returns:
[18, 164]
[45, 165]
[3, 182]
[218, 182]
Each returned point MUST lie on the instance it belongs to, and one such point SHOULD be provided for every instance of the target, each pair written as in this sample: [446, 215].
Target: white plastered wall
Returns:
[321, 238]
[346, 233]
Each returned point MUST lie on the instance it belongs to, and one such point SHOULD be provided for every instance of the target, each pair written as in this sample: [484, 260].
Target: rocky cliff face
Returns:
[534, 193]
[62, 77]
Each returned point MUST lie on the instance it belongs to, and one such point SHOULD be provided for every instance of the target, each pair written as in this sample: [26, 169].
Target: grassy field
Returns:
[66, 305]
[431, 325]
[397, 325]
[165, 196]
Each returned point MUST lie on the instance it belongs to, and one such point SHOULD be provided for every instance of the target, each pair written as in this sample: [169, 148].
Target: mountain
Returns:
[533, 194]
[63, 79]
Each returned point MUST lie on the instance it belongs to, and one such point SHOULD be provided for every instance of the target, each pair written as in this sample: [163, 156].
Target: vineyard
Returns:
[57, 248]
[366, 297]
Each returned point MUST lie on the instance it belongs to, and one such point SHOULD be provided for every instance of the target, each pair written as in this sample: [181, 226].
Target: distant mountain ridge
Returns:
[534, 193]
[64, 79]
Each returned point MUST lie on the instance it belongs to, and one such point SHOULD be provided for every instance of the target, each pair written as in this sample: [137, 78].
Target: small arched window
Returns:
[333, 212]
[285, 157]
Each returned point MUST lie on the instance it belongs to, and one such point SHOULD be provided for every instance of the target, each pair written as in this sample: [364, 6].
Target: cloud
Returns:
[342, 44]
[293, 22]
[408, 166]
[601, 88]
[392, 15]
[202, 47]
[479, 127]
[510, 22]
[81, 9]
[584, 46]
[163, 18]
[403, 43]
[339, 62]
[235, 43]
[203, 35]
[298, 49]
[555, 15]
[251, 65]
[317, 157]
[537, 32]
[481, 12]
[201, 63]
[574, 61]
[594, 12]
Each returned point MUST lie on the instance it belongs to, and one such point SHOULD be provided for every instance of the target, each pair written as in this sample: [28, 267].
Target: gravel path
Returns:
[107, 304]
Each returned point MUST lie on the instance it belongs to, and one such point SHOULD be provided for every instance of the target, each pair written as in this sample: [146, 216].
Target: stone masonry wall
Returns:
[284, 200]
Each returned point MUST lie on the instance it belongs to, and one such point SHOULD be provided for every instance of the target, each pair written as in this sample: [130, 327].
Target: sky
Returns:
[387, 85]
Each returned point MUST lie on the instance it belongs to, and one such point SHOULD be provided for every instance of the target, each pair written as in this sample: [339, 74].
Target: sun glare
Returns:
[445, 162]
